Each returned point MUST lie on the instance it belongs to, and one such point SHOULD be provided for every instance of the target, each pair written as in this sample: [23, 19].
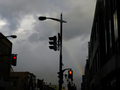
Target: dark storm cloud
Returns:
[41, 32]
[14, 10]
[78, 24]
[10, 11]
[34, 37]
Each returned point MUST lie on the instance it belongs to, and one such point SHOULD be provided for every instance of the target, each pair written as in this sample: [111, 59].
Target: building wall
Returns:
[56, 87]
[22, 81]
[103, 66]
[5, 52]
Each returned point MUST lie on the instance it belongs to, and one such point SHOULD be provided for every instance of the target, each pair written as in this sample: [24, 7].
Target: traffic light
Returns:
[60, 77]
[70, 75]
[53, 42]
[13, 59]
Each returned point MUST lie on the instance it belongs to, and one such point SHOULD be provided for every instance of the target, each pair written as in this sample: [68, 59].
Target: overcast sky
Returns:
[20, 17]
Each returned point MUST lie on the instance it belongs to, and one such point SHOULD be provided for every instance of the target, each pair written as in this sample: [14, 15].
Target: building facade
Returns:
[55, 87]
[102, 70]
[5, 53]
[83, 83]
[22, 81]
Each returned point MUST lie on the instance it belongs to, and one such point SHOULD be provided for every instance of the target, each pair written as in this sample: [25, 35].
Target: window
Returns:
[4, 67]
[114, 5]
[14, 83]
[110, 33]
[96, 30]
[97, 58]
[105, 40]
[115, 25]
[113, 84]
[104, 2]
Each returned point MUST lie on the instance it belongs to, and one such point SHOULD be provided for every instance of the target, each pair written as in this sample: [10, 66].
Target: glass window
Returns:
[104, 2]
[113, 84]
[114, 5]
[96, 30]
[97, 58]
[106, 40]
[110, 33]
[14, 83]
[115, 25]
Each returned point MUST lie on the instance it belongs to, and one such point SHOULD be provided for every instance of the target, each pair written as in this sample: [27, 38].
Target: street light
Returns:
[41, 18]
[13, 36]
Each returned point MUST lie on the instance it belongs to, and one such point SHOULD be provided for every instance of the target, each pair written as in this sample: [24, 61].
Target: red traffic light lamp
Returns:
[14, 57]
[70, 72]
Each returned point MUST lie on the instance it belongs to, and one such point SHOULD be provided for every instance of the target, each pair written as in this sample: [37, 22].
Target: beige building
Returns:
[56, 87]
[22, 81]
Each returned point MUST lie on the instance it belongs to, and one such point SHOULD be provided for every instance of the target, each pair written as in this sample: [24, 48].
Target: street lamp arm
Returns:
[66, 69]
[55, 19]
[13, 36]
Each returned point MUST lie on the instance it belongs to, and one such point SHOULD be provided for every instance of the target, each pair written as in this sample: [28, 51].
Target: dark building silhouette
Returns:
[83, 83]
[102, 70]
[5, 53]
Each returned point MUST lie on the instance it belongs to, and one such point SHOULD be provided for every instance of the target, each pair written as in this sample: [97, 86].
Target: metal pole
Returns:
[61, 74]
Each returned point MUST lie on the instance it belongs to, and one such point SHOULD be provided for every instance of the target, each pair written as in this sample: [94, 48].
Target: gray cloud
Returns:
[78, 23]
[40, 34]
[34, 37]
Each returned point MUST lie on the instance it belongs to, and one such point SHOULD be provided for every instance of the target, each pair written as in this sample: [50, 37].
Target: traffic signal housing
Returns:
[13, 59]
[60, 76]
[53, 42]
[70, 75]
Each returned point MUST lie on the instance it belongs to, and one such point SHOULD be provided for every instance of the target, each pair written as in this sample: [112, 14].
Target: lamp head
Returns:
[13, 36]
[41, 18]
